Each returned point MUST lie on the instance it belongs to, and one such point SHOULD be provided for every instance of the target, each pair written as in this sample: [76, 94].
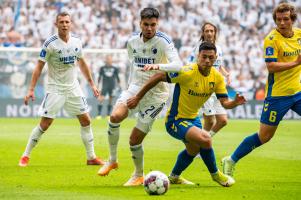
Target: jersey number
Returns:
[272, 117]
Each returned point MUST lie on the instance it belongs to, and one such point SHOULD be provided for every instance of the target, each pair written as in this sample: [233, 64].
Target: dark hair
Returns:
[62, 14]
[285, 7]
[203, 30]
[149, 13]
[207, 46]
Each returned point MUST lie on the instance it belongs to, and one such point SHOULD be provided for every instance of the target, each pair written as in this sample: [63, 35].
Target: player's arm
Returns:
[229, 104]
[174, 64]
[152, 82]
[225, 73]
[87, 74]
[282, 66]
[34, 79]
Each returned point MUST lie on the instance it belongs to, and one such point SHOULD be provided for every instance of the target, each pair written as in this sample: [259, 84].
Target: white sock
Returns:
[137, 156]
[33, 140]
[87, 138]
[212, 133]
[113, 138]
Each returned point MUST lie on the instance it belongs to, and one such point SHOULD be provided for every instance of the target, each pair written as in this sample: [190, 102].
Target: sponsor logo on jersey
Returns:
[198, 94]
[293, 53]
[68, 59]
[269, 51]
[140, 62]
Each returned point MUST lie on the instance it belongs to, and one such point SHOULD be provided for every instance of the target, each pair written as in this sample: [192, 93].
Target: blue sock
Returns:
[209, 159]
[248, 144]
[183, 161]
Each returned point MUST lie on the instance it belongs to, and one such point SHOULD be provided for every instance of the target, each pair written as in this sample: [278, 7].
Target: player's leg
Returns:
[34, 138]
[109, 109]
[209, 114]
[51, 104]
[88, 139]
[120, 112]
[220, 117]
[297, 103]
[272, 114]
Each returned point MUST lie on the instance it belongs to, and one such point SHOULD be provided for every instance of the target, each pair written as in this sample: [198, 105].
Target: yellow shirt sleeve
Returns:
[270, 49]
[220, 89]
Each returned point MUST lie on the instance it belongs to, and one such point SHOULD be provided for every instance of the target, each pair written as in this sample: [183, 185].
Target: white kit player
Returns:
[215, 115]
[61, 52]
[147, 50]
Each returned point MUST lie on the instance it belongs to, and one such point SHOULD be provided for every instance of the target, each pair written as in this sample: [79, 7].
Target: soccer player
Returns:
[147, 50]
[282, 52]
[61, 51]
[109, 76]
[214, 114]
[194, 85]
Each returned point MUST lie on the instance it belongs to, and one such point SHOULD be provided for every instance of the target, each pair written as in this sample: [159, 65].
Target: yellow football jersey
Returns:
[192, 90]
[280, 49]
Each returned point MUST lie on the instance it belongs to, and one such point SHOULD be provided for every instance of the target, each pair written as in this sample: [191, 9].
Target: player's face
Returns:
[284, 22]
[206, 58]
[63, 23]
[209, 33]
[148, 27]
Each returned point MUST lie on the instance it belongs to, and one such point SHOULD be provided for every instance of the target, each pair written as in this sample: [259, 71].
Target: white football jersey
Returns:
[219, 60]
[61, 58]
[158, 50]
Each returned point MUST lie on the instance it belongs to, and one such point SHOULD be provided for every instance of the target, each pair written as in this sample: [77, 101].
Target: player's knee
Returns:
[134, 140]
[264, 138]
[45, 125]
[222, 122]
[85, 122]
[206, 141]
[115, 118]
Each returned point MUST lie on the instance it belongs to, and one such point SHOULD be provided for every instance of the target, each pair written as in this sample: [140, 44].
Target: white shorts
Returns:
[147, 109]
[53, 103]
[213, 107]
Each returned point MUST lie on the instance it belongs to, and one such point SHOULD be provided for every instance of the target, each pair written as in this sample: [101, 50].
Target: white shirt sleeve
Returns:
[44, 53]
[175, 63]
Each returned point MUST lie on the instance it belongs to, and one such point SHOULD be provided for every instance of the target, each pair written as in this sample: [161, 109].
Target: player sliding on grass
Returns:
[195, 83]
[148, 49]
[61, 52]
[282, 48]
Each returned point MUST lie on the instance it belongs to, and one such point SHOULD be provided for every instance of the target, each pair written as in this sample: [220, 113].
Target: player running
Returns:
[195, 83]
[147, 50]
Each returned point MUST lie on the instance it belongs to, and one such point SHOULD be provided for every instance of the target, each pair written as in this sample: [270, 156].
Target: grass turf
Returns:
[58, 167]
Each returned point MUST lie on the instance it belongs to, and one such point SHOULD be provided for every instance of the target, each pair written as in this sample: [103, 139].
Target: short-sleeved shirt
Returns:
[280, 49]
[192, 89]
[61, 58]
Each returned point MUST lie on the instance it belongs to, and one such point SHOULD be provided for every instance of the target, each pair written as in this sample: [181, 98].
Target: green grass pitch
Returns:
[58, 169]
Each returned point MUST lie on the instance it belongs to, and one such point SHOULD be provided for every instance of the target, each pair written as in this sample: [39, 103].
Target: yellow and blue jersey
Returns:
[280, 49]
[192, 90]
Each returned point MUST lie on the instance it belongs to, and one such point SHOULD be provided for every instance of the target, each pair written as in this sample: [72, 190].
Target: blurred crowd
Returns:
[104, 24]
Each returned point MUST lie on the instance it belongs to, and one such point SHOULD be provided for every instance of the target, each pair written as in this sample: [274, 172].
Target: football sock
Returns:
[34, 138]
[183, 161]
[209, 159]
[113, 138]
[137, 156]
[248, 144]
[99, 108]
[212, 133]
[87, 138]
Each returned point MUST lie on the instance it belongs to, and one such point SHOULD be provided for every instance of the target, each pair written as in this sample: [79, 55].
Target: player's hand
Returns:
[132, 102]
[95, 91]
[239, 99]
[149, 67]
[30, 95]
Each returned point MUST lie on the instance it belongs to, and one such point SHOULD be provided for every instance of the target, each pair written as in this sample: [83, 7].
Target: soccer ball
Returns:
[156, 183]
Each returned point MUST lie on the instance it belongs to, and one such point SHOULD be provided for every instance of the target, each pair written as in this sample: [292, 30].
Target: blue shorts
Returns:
[274, 108]
[178, 128]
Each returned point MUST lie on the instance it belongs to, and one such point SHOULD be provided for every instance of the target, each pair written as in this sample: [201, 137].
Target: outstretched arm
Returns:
[152, 82]
[229, 104]
[282, 66]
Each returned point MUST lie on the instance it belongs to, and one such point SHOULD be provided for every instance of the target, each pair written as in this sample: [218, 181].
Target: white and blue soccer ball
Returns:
[156, 183]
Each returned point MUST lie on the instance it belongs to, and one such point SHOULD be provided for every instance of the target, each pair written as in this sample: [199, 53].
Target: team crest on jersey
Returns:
[299, 41]
[76, 49]
[154, 50]
[196, 84]
[269, 51]
[211, 86]
[173, 74]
